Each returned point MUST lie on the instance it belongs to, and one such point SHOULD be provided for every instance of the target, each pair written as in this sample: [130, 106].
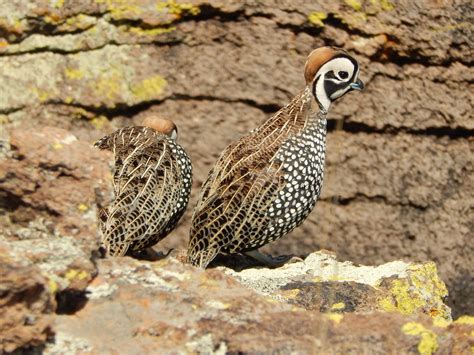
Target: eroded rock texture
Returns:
[399, 176]
[135, 307]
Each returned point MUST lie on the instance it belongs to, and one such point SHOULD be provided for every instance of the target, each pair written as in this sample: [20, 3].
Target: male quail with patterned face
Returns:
[152, 183]
[265, 184]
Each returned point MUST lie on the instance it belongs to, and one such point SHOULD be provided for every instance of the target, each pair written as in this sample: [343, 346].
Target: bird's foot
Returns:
[150, 254]
[270, 261]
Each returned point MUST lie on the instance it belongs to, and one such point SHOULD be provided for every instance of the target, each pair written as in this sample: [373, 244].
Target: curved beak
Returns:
[358, 85]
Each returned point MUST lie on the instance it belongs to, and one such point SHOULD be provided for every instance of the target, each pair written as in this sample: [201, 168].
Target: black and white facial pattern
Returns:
[334, 79]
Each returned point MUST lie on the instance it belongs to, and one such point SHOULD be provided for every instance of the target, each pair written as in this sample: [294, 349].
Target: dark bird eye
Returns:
[343, 74]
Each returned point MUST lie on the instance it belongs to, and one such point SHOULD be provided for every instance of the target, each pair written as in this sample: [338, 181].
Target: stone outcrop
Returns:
[398, 186]
[399, 172]
[51, 184]
[322, 283]
[135, 307]
[27, 305]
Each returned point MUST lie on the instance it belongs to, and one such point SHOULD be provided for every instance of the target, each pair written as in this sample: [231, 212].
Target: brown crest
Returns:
[317, 59]
[159, 124]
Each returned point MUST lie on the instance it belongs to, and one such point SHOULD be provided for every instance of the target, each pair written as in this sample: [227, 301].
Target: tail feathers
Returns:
[202, 258]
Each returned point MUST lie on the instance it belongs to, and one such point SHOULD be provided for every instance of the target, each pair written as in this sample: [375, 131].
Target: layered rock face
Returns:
[399, 175]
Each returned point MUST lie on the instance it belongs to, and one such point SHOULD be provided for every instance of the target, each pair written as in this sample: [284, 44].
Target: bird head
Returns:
[330, 73]
[161, 125]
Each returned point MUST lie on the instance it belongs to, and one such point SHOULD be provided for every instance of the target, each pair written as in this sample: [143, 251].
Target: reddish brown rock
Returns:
[399, 177]
[51, 184]
[137, 307]
[26, 305]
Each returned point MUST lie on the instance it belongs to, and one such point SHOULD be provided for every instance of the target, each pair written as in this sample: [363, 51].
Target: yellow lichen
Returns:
[83, 207]
[109, 85]
[385, 5]
[149, 32]
[53, 18]
[18, 25]
[4, 119]
[465, 320]
[56, 145]
[355, 4]
[120, 9]
[428, 340]
[403, 300]
[52, 286]
[441, 322]
[316, 18]
[58, 4]
[42, 95]
[338, 306]
[177, 9]
[99, 122]
[79, 22]
[291, 294]
[150, 88]
[76, 274]
[335, 317]
[74, 74]
[422, 290]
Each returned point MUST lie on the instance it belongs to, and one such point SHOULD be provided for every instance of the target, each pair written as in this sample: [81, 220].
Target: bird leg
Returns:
[150, 254]
[270, 261]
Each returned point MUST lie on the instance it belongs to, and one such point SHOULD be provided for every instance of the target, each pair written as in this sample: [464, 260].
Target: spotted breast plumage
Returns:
[266, 184]
[152, 182]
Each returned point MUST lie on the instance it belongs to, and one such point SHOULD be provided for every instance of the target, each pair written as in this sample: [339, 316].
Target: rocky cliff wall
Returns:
[399, 177]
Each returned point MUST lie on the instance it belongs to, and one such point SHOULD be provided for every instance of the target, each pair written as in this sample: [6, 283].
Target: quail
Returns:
[151, 183]
[265, 184]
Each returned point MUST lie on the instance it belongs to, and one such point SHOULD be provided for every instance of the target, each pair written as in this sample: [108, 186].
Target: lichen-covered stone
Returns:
[322, 283]
[399, 179]
[137, 306]
[56, 183]
[26, 305]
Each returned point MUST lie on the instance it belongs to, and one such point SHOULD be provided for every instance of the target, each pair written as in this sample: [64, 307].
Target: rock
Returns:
[322, 283]
[53, 183]
[136, 306]
[26, 305]
[398, 180]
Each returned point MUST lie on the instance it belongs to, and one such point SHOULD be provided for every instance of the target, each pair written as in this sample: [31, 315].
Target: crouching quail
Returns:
[151, 182]
[265, 184]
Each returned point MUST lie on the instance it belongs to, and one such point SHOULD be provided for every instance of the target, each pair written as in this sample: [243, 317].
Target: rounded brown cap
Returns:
[160, 124]
[316, 59]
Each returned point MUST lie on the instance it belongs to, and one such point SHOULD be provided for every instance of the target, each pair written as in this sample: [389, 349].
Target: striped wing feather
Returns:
[231, 212]
[146, 182]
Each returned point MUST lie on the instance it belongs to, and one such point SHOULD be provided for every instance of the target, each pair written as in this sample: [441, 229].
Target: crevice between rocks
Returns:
[208, 12]
[360, 197]
[70, 301]
[359, 127]
[347, 126]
